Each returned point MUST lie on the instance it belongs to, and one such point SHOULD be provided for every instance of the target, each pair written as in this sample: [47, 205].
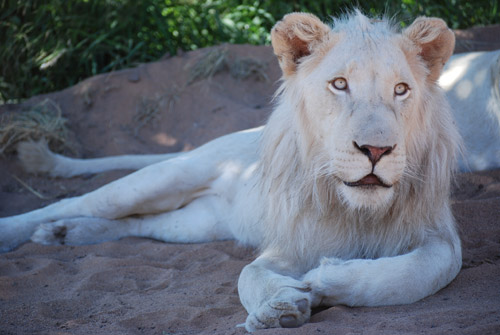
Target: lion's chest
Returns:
[349, 238]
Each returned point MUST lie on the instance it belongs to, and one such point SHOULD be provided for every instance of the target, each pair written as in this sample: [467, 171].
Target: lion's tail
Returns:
[36, 157]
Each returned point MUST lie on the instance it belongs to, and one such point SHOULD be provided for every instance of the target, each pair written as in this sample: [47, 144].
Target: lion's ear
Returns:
[435, 40]
[296, 36]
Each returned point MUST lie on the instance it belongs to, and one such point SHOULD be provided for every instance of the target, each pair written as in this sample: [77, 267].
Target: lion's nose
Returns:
[374, 153]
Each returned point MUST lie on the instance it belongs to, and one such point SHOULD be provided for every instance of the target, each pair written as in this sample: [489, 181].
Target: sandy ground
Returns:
[141, 286]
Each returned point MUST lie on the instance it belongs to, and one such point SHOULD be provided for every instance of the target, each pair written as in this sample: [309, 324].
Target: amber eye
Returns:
[339, 83]
[401, 89]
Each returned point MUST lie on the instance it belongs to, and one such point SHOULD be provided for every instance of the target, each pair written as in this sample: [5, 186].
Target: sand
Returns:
[142, 286]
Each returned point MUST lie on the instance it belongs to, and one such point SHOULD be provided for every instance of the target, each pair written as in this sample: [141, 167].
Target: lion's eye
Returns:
[401, 89]
[337, 84]
[340, 83]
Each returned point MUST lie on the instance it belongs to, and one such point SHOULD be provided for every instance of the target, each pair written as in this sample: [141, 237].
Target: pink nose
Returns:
[374, 153]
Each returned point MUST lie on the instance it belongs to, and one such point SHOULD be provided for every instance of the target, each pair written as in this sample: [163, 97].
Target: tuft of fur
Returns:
[36, 157]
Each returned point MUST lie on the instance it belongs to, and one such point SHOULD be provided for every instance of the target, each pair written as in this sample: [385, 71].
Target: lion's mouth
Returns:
[368, 180]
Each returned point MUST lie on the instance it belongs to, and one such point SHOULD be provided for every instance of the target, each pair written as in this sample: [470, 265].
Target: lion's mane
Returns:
[305, 213]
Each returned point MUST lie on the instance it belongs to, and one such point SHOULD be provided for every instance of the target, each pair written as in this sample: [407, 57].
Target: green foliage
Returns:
[47, 45]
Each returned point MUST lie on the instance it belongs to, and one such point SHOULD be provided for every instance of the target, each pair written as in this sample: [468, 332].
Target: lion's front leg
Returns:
[389, 280]
[271, 299]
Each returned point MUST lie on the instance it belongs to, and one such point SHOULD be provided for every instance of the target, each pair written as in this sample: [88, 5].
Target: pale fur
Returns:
[472, 83]
[36, 157]
[285, 188]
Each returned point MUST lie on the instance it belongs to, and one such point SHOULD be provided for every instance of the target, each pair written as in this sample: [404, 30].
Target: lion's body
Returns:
[472, 83]
[345, 190]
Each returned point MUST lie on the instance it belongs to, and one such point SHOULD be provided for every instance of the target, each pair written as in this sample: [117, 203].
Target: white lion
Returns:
[345, 191]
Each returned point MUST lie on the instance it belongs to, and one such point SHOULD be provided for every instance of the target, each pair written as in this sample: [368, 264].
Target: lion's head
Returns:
[360, 104]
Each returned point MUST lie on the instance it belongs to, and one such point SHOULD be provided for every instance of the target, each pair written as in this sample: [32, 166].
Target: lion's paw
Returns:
[74, 231]
[53, 233]
[288, 308]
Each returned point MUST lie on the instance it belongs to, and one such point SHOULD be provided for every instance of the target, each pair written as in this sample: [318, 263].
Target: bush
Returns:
[48, 45]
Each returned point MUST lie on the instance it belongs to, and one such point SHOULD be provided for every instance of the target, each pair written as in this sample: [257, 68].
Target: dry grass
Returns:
[41, 121]
[148, 109]
[216, 60]
[213, 61]
[245, 67]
